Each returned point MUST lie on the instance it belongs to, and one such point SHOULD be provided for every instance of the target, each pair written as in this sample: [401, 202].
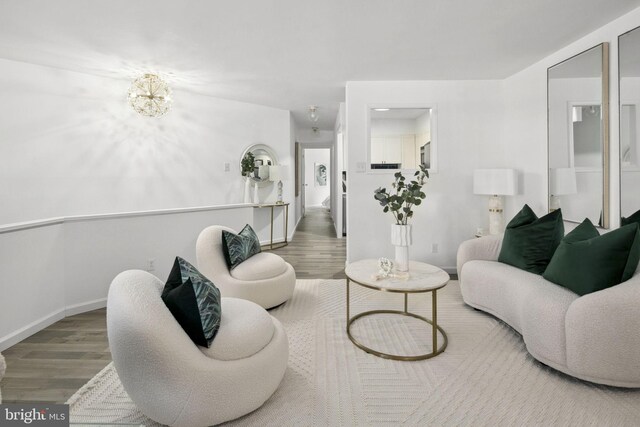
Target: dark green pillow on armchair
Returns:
[529, 242]
[587, 262]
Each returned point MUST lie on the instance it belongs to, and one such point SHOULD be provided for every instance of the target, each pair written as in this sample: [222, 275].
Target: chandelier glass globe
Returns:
[150, 96]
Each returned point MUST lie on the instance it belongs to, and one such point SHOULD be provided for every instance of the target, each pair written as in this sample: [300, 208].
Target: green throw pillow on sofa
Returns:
[587, 262]
[529, 242]
[634, 218]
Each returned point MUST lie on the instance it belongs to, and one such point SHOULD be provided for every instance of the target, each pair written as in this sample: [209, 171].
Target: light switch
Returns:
[227, 167]
[361, 167]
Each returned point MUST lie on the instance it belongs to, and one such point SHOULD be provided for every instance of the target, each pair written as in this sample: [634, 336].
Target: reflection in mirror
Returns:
[578, 136]
[629, 69]
[255, 163]
[401, 138]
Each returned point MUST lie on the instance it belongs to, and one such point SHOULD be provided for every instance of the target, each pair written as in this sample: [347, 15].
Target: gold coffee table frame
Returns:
[433, 322]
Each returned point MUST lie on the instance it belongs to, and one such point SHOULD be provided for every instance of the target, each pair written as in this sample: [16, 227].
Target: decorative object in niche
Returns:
[150, 96]
[495, 183]
[629, 79]
[400, 204]
[401, 138]
[578, 132]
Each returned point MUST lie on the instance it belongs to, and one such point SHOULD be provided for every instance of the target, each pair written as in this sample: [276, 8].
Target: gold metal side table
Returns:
[422, 278]
[285, 207]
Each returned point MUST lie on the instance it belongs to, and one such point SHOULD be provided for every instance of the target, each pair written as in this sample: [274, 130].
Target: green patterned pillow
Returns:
[240, 247]
[194, 301]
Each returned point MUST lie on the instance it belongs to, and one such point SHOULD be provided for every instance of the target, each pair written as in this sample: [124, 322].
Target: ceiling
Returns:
[398, 113]
[292, 53]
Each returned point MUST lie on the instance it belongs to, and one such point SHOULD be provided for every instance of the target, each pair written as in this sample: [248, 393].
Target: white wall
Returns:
[338, 164]
[524, 142]
[71, 145]
[469, 116]
[315, 194]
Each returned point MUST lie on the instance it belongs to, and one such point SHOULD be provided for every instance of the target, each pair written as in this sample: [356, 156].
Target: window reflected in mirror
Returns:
[629, 69]
[401, 138]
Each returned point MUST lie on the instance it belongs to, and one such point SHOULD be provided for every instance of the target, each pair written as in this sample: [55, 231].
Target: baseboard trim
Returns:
[48, 320]
[72, 310]
[30, 329]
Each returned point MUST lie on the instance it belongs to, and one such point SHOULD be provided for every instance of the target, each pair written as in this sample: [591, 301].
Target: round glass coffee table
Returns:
[421, 278]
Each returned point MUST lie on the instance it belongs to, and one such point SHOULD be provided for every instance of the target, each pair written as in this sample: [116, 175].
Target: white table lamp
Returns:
[562, 182]
[496, 183]
[276, 174]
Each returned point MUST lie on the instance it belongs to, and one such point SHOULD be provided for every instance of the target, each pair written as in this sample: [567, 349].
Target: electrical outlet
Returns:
[151, 264]
[434, 248]
[227, 167]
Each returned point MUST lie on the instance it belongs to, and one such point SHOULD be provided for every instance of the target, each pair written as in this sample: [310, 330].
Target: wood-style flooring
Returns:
[54, 363]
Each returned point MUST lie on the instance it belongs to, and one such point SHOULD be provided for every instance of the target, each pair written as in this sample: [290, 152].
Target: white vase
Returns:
[401, 239]
[256, 197]
[247, 189]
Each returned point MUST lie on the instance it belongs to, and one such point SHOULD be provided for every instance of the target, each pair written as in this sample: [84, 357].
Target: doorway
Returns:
[317, 178]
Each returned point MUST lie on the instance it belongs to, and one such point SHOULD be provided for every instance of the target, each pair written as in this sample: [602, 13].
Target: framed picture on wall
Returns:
[320, 175]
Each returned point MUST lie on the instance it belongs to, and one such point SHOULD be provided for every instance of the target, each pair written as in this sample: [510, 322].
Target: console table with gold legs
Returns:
[272, 206]
[421, 278]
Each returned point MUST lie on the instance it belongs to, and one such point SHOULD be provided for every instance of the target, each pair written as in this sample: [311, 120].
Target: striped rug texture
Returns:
[484, 378]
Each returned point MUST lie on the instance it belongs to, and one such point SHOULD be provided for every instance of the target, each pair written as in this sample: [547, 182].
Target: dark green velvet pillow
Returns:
[633, 218]
[587, 262]
[529, 242]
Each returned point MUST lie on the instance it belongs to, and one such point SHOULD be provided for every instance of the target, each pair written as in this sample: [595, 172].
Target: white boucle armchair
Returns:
[265, 278]
[592, 337]
[175, 382]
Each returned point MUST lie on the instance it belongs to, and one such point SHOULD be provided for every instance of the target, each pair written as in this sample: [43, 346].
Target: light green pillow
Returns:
[529, 242]
[587, 262]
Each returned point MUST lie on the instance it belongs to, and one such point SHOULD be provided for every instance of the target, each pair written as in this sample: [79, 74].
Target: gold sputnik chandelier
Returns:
[150, 96]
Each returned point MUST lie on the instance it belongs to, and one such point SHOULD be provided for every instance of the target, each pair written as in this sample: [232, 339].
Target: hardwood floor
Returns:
[54, 363]
[315, 252]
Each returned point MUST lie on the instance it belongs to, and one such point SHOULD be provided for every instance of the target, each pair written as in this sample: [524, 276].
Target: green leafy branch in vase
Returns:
[406, 196]
[247, 164]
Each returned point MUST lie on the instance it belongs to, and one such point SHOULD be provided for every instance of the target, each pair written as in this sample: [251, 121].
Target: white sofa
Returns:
[175, 382]
[265, 278]
[594, 337]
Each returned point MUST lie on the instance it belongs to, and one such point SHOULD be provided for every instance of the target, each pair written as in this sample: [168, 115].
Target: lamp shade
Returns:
[562, 181]
[500, 182]
[275, 173]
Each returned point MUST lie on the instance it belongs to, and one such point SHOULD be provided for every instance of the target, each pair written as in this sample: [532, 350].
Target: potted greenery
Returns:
[401, 203]
[247, 165]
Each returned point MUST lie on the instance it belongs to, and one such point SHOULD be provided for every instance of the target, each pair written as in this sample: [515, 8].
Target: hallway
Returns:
[315, 252]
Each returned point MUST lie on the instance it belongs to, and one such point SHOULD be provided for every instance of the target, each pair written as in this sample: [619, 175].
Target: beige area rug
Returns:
[485, 376]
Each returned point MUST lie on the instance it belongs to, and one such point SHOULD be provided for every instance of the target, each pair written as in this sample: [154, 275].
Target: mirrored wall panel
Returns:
[578, 132]
[629, 69]
[401, 138]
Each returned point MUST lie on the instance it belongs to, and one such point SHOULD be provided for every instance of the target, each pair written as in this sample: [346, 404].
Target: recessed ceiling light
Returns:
[381, 109]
